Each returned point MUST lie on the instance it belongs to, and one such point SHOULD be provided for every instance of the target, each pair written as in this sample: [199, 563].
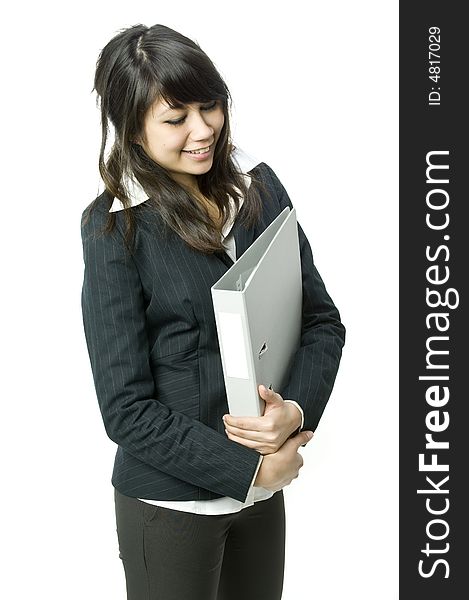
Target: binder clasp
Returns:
[263, 350]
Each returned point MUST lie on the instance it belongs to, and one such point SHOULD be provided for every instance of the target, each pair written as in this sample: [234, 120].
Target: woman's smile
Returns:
[201, 154]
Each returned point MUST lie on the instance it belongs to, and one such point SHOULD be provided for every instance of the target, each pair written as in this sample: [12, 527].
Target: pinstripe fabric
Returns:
[151, 336]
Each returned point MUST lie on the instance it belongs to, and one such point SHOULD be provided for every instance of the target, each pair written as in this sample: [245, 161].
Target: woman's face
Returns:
[169, 135]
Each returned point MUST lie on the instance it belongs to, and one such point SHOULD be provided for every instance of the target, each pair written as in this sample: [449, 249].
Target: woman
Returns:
[198, 493]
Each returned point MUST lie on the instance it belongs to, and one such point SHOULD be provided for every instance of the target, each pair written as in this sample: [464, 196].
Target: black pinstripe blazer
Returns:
[151, 336]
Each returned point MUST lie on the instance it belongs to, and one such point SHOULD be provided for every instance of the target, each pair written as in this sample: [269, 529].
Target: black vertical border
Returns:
[425, 128]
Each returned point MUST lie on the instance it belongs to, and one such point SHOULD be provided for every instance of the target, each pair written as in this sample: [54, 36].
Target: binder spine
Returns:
[235, 348]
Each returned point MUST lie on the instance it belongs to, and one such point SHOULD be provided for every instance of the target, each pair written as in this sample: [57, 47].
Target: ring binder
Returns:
[259, 336]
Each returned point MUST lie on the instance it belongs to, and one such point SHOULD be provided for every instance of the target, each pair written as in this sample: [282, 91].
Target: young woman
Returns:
[198, 493]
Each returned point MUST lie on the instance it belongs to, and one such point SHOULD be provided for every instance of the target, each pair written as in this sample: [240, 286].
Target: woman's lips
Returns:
[198, 156]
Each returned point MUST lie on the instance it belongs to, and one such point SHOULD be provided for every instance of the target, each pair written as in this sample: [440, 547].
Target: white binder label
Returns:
[233, 346]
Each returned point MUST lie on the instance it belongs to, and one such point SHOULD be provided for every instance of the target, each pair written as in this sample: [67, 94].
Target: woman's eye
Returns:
[182, 119]
[210, 106]
[178, 122]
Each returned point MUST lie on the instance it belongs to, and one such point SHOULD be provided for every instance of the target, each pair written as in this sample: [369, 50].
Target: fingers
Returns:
[268, 393]
[255, 423]
[295, 472]
[246, 423]
[250, 434]
[261, 436]
[302, 438]
[261, 446]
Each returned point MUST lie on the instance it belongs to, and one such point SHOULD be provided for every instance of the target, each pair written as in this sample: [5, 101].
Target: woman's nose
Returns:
[200, 129]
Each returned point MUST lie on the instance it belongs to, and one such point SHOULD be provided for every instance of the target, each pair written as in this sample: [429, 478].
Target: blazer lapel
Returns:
[223, 256]
[243, 237]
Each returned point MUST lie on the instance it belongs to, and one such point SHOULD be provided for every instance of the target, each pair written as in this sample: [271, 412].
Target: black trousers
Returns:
[174, 555]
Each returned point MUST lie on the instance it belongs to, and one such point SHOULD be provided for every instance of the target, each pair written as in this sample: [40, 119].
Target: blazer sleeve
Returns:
[114, 324]
[316, 362]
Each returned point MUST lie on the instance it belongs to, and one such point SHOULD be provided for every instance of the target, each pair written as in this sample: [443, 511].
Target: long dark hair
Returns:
[137, 66]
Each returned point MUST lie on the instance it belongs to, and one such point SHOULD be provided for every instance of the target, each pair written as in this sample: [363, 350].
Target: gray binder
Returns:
[257, 305]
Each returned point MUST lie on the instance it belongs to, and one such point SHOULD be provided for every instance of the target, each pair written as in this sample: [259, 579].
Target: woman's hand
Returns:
[268, 433]
[279, 469]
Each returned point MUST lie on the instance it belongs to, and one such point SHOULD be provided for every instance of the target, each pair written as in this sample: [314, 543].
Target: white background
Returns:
[315, 91]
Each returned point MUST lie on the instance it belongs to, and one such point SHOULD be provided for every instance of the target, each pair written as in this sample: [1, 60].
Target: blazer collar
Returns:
[136, 194]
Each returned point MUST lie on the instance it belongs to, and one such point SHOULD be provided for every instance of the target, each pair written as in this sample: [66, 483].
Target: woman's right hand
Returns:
[280, 468]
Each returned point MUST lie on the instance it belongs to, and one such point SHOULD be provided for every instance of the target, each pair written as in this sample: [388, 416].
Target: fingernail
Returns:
[309, 434]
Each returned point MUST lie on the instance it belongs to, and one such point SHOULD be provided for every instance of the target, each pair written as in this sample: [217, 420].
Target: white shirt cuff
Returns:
[301, 412]
[257, 470]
